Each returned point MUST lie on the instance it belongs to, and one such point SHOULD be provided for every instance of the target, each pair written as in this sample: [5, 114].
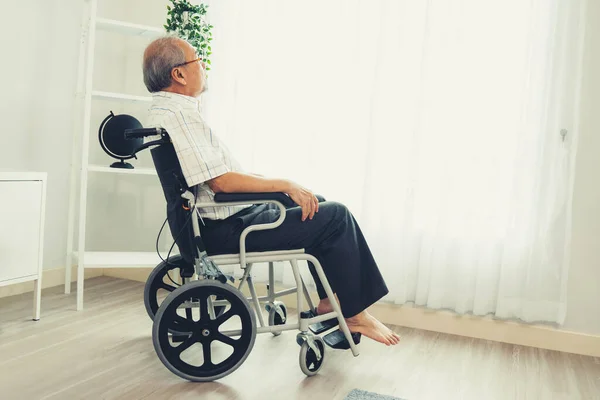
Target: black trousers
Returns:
[332, 236]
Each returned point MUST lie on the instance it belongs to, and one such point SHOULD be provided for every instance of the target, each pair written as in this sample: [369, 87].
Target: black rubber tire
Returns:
[155, 278]
[199, 290]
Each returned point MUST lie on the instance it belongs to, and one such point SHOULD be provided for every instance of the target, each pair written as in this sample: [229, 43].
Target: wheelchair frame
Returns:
[246, 261]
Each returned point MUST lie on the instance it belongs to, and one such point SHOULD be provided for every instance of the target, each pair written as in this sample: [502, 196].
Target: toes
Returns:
[394, 339]
[390, 340]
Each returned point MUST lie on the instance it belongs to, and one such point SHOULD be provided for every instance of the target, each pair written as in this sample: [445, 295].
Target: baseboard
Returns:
[133, 274]
[50, 278]
[488, 329]
[447, 322]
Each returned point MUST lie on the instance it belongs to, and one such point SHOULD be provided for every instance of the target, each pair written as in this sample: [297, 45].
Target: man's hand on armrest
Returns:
[233, 182]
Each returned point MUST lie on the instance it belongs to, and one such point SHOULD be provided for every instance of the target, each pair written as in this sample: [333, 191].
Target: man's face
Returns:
[195, 72]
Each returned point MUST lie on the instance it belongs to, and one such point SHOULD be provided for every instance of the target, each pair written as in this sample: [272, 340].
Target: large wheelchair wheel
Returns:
[158, 285]
[214, 345]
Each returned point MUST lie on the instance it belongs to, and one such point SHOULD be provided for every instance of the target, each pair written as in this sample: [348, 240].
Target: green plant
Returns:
[188, 22]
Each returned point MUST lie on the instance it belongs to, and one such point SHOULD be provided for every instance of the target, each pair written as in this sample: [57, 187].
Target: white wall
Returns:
[583, 311]
[38, 66]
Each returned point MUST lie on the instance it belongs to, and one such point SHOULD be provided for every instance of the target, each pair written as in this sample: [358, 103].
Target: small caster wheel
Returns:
[311, 361]
[277, 315]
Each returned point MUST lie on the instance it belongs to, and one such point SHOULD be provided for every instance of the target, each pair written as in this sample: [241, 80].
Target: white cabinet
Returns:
[22, 209]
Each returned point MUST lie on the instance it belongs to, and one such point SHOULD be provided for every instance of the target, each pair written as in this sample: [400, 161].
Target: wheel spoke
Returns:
[166, 286]
[183, 324]
[224, 317]
[226, 339]
[207, 354]
[186, 344]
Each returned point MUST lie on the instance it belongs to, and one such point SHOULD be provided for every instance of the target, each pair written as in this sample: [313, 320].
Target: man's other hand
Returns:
[305, 199]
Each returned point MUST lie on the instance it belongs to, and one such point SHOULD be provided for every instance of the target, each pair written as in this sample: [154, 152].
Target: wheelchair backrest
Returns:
[173, 184]
[169, 170]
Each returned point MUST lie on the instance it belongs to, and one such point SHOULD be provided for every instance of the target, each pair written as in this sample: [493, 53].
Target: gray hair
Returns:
[159, 59]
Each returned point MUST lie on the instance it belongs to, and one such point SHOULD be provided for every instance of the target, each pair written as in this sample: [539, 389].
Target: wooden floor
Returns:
[106, 352]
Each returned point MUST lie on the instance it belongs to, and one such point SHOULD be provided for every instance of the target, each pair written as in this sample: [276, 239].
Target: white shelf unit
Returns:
[80, 166]
[120, 96]
[109, 170]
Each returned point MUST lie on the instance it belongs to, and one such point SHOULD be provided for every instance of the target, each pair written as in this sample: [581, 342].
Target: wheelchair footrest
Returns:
[337, 340]
[322, 326]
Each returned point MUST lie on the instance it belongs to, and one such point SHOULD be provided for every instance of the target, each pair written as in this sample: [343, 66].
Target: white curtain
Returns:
[447, 127]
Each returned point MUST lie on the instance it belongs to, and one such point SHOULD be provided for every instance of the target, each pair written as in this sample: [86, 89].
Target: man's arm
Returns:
[232, 182]
[237, 182]
[200, 160]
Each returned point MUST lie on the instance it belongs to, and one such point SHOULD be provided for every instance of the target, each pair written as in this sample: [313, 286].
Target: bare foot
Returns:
[369, 326]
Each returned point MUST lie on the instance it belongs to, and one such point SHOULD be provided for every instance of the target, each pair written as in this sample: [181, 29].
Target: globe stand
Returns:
[121, 164]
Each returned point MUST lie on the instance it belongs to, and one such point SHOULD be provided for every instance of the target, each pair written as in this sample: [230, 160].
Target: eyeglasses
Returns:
[188, 62]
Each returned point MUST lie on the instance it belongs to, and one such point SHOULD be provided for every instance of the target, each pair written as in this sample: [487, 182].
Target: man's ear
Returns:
[178, 76]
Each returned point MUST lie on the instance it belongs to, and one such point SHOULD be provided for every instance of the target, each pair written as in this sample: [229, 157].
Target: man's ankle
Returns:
[357, 318]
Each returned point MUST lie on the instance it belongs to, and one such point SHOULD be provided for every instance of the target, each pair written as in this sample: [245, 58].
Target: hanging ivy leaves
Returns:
[187, 21]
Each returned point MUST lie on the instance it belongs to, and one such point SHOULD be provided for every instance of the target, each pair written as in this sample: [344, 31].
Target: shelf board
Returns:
[120, 96]
[135, 171]
[127, 28]
[116, 259]
[9, 175]
[19, 280]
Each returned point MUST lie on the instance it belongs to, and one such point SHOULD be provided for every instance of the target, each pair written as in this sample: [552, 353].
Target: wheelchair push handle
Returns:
[143, 132]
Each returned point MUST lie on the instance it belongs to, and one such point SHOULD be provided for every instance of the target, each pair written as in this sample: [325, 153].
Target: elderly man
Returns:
[176, 77]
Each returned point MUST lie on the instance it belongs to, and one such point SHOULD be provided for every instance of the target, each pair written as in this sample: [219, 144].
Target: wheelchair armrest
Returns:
[254, 197]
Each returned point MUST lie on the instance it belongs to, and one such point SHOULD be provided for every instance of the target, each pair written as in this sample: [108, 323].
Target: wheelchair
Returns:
[205, 327]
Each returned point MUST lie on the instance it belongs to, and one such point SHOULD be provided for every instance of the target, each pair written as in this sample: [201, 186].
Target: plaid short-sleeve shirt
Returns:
[200, 152]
